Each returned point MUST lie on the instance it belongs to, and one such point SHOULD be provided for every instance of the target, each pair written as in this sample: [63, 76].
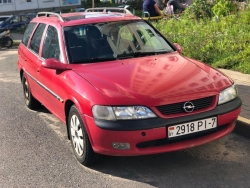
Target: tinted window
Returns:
[27, 33]
[15, 19]
[3, 18]
[25, 18]
[36, 39]
[51, 44]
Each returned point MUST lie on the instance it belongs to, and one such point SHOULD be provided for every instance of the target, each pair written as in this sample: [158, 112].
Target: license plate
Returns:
[192, 127]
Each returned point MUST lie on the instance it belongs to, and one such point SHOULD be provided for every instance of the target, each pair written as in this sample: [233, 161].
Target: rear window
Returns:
[51, 44]
[27, 33]
[36, 38]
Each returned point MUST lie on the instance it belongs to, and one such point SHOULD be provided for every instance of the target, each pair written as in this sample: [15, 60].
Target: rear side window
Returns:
[25, 18]
[15, 19]
[27, 33]
[51, 44]
[36, 39]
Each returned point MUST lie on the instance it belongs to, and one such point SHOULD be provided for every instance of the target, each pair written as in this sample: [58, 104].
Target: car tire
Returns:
[30, 101]
[79, 139]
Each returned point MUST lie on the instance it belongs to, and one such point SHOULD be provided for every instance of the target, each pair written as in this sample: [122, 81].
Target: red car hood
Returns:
[153, 80]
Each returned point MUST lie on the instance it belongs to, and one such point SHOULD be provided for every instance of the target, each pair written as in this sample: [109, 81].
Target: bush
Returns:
[223, 43]
[225, 7]
[199, 9]
[136, 4]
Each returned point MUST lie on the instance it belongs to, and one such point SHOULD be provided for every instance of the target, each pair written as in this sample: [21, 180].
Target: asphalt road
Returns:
[35, 152]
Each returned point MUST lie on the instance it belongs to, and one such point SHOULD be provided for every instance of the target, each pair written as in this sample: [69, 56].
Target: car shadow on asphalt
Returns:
[244, 94]
[242, 127]
[201, 166]
[43, 109]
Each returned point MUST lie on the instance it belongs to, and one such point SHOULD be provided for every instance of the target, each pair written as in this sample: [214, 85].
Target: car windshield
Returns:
[9, 18]
[113, 40]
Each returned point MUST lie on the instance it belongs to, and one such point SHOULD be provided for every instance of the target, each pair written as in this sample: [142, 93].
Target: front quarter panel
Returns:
[80, 92]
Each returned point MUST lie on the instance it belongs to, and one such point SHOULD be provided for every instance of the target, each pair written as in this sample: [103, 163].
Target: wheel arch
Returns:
[21, 74]
[68, 104]
[67, 107]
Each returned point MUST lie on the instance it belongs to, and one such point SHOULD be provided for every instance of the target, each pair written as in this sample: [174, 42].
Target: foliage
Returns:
[98, 3]
[136, 4]
[225, 7]
[222, 43]
[199, 9]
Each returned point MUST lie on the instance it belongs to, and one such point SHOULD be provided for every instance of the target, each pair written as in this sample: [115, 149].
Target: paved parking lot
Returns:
[35, 152]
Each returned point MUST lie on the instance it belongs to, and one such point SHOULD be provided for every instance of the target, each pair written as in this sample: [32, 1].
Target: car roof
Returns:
[23, 14]
[5, 16]
[99, 15]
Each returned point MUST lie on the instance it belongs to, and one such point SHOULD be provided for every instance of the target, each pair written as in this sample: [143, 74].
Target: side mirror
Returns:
[178, 48]
[53, 63]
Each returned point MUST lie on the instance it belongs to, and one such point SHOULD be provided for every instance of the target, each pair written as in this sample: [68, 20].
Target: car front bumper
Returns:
[150, 136]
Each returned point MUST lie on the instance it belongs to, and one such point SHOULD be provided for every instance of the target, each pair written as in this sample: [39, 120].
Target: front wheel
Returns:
[8, 42]
[79, 139]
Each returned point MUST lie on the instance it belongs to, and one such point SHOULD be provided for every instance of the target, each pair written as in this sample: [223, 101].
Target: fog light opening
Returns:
[121, 146]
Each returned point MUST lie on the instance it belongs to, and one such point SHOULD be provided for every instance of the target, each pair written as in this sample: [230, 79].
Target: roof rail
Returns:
[107, 9]
[47, 14]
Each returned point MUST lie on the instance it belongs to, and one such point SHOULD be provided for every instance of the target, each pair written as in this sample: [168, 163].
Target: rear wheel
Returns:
[8, 42]
[79, 139]
[30, 101]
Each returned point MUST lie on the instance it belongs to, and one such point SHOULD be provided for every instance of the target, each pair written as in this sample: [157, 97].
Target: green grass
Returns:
[222, 43]
[16, 43]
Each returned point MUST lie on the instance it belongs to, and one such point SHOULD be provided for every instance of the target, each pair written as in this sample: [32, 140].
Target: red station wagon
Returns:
[120, 86]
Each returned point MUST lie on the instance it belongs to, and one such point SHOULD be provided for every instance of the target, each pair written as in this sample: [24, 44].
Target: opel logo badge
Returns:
[188, 107]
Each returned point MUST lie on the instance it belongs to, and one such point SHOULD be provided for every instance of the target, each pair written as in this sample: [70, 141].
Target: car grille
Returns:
[165, 141]
[177, 108]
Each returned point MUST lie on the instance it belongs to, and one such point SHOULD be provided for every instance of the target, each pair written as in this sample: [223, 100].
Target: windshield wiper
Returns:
[139, 54]
[93, 60]
[164, 52]
[125, 56]
[135, 54]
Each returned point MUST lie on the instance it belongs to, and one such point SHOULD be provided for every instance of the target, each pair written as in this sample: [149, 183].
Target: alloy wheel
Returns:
[77, 135]
[26, 92]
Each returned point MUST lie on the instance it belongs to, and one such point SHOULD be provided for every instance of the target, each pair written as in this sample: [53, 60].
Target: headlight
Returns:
[122, 113]
[103, 112]
[228, 94]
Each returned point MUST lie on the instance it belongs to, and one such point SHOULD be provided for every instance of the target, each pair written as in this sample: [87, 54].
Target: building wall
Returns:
[18, 6]
[6, 7]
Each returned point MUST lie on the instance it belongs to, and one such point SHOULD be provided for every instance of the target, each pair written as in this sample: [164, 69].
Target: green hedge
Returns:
[222, 43]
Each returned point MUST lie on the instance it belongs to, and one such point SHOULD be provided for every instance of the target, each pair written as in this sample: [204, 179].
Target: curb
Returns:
[242, 127]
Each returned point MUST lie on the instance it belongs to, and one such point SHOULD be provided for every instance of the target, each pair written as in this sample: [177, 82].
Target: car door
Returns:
[33, 62]
[50, 78]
